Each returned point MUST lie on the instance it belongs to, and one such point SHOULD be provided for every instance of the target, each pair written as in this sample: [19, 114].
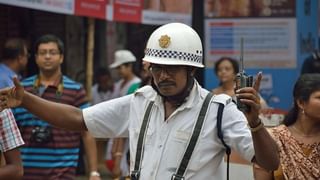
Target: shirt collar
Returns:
[149, 93]
[193, 97]
[56, 83]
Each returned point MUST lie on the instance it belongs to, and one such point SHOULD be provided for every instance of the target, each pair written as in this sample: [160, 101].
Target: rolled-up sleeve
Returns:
[109, 119]
[236, 132]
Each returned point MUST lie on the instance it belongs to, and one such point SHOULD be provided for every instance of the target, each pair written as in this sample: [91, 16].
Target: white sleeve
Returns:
[236, 132]
[109, 119]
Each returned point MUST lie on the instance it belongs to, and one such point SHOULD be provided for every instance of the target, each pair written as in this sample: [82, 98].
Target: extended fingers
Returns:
[250, 90]
[3, 103]
[249, 96]
[256, 85]
[251, 103]
[5, 91]
[3, 98]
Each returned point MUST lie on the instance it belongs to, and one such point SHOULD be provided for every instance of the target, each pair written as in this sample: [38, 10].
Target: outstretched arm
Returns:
[57, 114]
[60, 115]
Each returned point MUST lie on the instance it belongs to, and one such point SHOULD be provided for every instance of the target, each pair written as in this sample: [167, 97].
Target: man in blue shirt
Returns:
[14, 60]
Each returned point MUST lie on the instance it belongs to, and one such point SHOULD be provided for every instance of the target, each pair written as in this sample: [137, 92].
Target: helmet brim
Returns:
[169, 61]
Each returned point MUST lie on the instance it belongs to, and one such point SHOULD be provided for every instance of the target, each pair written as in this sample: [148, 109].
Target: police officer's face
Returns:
[170, 80]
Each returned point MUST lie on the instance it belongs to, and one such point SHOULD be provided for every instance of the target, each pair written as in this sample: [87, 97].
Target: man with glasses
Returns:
[170, 119]
[51, 152]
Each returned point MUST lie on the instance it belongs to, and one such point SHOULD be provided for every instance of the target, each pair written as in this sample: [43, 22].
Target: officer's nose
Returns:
[163, 75]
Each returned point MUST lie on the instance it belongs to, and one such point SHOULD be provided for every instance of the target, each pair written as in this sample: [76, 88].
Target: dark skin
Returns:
[13, 169]
[170, 84]
[71, 118]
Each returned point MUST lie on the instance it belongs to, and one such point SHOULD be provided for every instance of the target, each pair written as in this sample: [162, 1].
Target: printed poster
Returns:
[270, 43]
[165, 11]
[268, 28]
[249, 8]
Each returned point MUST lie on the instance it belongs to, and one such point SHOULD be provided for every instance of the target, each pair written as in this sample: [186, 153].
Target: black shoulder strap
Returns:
[179, 175]
[135, 174]
[220, 135]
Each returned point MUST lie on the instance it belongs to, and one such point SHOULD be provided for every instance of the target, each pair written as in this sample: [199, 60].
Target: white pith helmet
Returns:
[174, 44]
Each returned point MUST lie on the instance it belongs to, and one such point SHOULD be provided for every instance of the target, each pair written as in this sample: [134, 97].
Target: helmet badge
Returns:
[164, 41]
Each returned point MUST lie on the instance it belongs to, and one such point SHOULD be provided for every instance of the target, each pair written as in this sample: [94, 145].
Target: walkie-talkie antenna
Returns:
[242, 80]
[241, 68]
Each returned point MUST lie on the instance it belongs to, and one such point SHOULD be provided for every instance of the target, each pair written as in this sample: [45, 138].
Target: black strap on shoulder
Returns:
[135, 174]
[220, 135]
[179, 175]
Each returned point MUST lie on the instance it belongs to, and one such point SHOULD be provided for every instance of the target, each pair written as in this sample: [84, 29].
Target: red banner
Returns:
[91, 8]
[127, 10]
[134, 11]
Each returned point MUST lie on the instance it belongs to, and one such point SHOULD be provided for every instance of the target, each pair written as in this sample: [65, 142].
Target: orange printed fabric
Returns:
[297, 160]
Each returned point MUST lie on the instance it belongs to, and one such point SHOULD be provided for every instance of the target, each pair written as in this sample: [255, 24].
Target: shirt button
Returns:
[160, 146]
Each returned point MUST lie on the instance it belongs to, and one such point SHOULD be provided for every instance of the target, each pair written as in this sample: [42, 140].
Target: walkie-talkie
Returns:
[242, 80]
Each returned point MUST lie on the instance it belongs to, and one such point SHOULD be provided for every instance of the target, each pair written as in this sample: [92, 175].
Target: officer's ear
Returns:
[193, 71]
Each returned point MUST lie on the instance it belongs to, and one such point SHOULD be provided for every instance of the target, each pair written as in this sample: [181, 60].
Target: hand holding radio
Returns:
[248, 99]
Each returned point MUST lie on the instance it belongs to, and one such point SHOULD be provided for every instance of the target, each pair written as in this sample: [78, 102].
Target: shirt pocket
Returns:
[176, 148]
[147, 146]
[134, 135]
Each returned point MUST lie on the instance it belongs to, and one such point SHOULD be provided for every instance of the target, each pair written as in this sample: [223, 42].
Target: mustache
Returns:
[166, 83]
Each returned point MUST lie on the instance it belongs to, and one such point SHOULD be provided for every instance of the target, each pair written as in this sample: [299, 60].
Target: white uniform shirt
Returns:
[166, 141]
